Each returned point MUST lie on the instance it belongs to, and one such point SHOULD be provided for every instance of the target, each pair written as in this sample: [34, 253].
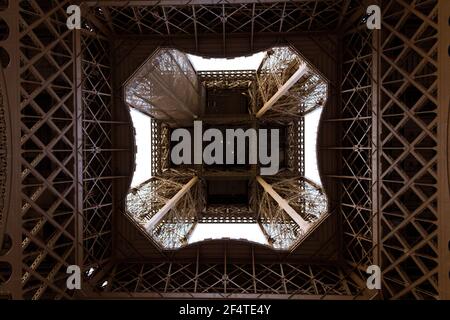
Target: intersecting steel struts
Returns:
[48, 149]
[5, 240]
[356, 149]
[97, 149]
[222, 18]
[147, 200]
[227, 280]
[307, 200]
[408, 138]
[3, 155]
[306, 94]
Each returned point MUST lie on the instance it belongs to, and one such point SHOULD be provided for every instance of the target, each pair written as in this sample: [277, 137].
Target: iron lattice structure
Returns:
[62, 150]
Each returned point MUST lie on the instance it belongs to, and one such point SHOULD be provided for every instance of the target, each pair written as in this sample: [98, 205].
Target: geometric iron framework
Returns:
[64, 139]
[282, 92]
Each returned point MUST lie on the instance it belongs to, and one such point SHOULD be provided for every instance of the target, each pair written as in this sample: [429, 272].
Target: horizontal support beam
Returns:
[304, 225]
[193, 295]
[121, 3]
[170, 205]
[302, 69]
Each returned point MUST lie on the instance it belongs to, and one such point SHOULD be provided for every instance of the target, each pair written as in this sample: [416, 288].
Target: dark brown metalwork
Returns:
[66, 154]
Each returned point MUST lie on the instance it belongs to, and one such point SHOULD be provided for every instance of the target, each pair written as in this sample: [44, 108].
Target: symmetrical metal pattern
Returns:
[222, 18]
[48, 110]
[227, 79]
[408, 140]
[226, 280]
[97, 149]
[356, 176]
[5, 241]
[296, 147]
[393, 96]
[3, 154]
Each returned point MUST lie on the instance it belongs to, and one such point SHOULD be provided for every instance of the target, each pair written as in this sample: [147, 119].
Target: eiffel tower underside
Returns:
[68, 149]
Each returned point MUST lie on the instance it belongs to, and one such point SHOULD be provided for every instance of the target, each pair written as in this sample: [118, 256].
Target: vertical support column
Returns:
[78, 145]
[12, 209]
[375, 144]
[444, 149]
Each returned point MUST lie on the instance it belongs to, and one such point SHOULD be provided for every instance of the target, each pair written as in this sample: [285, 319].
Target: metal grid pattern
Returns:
[97, 149]
[296, 147]
[227, 79]
[49, 207]
[408, 140]
[226, 280]
[227, 214]
[221, 18]
[3, 155]
[356, 176]
[390, 207]
[5, 267]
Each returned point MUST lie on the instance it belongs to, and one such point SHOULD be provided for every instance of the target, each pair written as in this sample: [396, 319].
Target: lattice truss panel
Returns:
[226, 279]
[356, 122]
[392, 104]
[5, 239]
[296, 147]
[97, 153]
[224, 18]
[160, 147]
[48, 149]
[408, 140]
[216, 213]
[227, 79]
[57, 136]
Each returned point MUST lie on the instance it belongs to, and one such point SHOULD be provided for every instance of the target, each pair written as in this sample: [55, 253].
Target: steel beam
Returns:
[78, 145]
[283, 204]
[170, 205]
[302, 69]
[119, 3]
[443, 150]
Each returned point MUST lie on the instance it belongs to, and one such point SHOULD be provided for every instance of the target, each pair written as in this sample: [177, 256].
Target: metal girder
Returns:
[174, 2]
[356, 179]
[409, 179]
[227, 280]
[194, 18]
[283, 204]
[402, 123]
[444, 150]
[302, 69]
[151, 224]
